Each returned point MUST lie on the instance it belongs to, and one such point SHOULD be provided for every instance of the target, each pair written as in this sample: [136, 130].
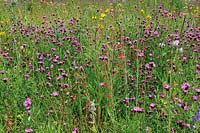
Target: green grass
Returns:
[103, 66]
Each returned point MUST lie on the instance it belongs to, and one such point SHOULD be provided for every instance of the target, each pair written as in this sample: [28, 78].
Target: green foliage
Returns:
[101, 62]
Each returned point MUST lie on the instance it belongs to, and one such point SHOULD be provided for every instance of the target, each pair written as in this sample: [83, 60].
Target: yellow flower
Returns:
[100, 18]
[100, 26]
[21, 47]
[2, 33]
[142, 11]
[107, 10]
[4, 21]
[148, 17]
[20, 116]
[103, 15]
[196, 11]
[120, 5]
[64, 11]
[94, 17]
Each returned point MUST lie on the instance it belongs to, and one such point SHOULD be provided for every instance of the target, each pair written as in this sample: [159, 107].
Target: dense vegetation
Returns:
[99, 66]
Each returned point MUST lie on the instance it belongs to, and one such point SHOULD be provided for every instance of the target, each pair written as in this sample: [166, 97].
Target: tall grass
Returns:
[98, 66]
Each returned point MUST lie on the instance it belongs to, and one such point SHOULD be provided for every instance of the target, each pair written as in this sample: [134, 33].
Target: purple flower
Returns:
[140, 54]
[198, 71]
[177, 36]
[156, 33]
[75, 130]
[2, 71]
[5, 79]
[28, 130]
[126, 100]
[102, 84]
[152, 105]
[150, 65]
[197, 116]
[137, 109]
[71, 22]
[54, 94]
[195, 98]
[198, 90]
[193, 127]
[166, 86]
[185, 87]
[74, 42]
[147, 66]
[185, 107]
[27, 102]
[162, 95]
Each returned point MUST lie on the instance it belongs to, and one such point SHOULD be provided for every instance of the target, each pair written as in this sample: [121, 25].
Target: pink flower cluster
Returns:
[137, 109]
[27, 104]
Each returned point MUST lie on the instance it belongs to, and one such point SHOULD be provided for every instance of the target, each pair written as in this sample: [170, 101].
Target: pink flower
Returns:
[152, 105]
[75, 130]
[54, 94]
[28, 130]
[140, 54]
[166, 86]
[198, 90]
[198, 71]
[27, 102]
[185, 87]
[162, 95]
[156, 33]
[4, 79]
[137, 109]
[195, 98]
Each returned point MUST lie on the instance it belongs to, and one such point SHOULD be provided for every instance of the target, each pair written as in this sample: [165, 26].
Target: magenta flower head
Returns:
[166, 86]
[140, 54]
[185, 87]
[75, 130]
[27, 102]
[162, 95]
[198, 71]
[152, 105]
[71, 22]
[156, 33]
[5, 79]
[28, 130]
[126, 100]
[198, 90]
[44, 17]
[195, 98]
[137, 109]
[54, 94]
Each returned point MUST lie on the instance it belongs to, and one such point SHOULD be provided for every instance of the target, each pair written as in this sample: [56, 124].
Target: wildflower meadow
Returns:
[99, 66]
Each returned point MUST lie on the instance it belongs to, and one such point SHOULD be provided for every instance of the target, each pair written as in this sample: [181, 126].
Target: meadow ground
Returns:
[99, 66]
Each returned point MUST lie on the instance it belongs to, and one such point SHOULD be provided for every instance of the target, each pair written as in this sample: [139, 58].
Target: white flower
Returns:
[162, 45]
[180, 50]
[92, 106]
[175, 43]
